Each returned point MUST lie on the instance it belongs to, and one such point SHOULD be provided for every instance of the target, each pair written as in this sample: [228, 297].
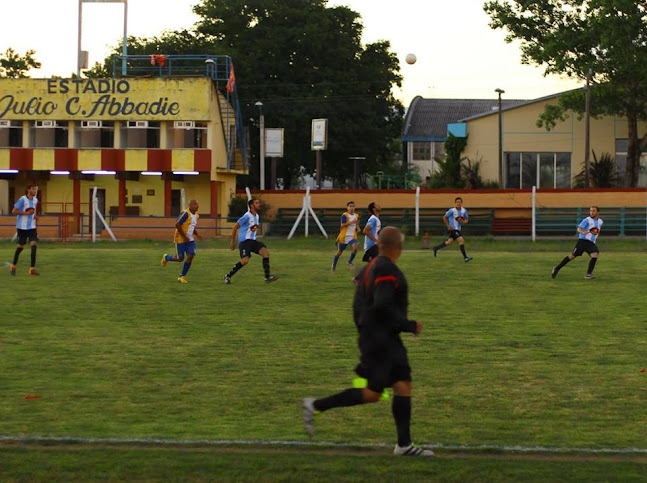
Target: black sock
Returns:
[592, 265]
[562, 263]
[266, 267]
[16, 255]
[401, 409]
[463, 251]
[237, 267]
[349, 397]
[33, 255]
[442, 245]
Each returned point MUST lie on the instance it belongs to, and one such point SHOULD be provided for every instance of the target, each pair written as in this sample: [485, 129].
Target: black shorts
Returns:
[248, 247]
[587, 246]
[371, 253]
[24, 235]
[454, 234]
[383, 366]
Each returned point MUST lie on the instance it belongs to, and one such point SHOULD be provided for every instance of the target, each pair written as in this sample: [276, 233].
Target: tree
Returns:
[574, 37]
[303, 61]
[14, 65]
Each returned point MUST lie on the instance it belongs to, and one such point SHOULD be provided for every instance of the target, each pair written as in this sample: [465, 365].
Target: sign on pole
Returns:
[274, 142]
[319, 140]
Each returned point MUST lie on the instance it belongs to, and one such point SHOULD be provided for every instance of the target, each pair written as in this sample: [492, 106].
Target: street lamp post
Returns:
[124, 45]
[501, 163]
[261, 124]
[355, 160]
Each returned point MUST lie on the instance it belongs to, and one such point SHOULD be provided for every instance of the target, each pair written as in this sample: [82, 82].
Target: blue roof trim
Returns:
[457, 129]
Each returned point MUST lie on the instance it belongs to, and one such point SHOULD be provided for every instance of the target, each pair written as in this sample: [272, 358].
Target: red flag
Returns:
[232, 79]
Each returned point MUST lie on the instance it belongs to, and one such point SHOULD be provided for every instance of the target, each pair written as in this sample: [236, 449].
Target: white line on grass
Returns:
[332, 444]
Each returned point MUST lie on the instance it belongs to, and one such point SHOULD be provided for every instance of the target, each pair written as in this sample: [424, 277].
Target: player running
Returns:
[245, 228]
[347, 235]
[25, 208]
[588, 230]
[185, 235]
[454, 219]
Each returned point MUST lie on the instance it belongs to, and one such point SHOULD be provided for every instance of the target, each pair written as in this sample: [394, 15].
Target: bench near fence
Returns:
[430, 219]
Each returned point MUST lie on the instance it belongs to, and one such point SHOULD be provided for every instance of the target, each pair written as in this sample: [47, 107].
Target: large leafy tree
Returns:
[604, 38]
[14, 65]
[303, 61]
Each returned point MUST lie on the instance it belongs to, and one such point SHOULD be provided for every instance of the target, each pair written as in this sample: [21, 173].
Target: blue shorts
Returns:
[188, 248]
[342, 246]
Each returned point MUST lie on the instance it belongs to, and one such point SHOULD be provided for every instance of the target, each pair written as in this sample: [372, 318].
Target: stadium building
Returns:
[167, 132]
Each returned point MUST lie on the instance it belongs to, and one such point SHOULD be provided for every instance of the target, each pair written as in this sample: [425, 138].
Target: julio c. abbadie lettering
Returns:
[112, 106]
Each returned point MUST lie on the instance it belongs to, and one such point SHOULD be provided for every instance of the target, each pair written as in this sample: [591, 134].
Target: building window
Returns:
[422, 151]
[187, 134]
[543, 170]
[94, 134]
[48, 134]
[622, 147]
[140, 135]
[11, 134]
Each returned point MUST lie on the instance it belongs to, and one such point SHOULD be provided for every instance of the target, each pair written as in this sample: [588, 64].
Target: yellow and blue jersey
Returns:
[348, 231]
[188, 221]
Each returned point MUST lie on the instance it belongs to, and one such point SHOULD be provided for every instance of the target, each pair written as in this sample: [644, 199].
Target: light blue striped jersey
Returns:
[375, 224]
[26, 222]
[248, 225]
[455, 217]
[592, 226]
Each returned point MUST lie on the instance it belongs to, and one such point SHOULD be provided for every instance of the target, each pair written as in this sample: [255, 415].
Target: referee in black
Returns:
[380, 314]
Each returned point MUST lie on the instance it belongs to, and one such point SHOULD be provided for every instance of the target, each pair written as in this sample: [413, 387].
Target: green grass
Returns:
[115, 347]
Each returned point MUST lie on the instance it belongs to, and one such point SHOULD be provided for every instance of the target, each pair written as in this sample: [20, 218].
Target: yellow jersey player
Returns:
[185, 235]
[347, 235]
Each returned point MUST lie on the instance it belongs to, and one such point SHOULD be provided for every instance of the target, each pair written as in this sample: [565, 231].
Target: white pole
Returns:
[124, 45]
[534, 212]
[417, 210]
[78, 49]
[182, 199]
[306, 206]
[94, 214]
[249, 193]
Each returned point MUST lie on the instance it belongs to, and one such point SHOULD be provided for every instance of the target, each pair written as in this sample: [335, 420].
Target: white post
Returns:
[306, 206]
[94, 214]
[249, 193]
[417, 210]
[534, 213]
[182, 199]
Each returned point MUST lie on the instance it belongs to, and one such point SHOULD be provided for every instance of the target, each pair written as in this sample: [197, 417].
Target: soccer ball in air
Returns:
[410, 59]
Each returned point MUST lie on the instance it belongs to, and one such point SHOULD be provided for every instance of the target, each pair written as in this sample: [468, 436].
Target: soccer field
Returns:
[114, 347]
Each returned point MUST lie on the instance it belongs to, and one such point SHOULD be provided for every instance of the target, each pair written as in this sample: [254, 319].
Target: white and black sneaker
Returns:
[271, 278]
[412, 450]
[468, 259]
[227, 280]
[309, 415]
[554, 272]
[333, 268]
[589, 276]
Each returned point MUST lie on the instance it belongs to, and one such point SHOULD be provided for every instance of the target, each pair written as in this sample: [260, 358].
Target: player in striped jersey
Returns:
[588, 231]
[185, 235]
[454, 219]
[245, 228]
[347, 235]
[25, 208]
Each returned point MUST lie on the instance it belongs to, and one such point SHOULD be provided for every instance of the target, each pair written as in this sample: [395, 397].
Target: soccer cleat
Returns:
[589, 276]
[435, 252]
[355, 281]
[309, 415]
[468, 259]
[182, 280]
[351, 266]
[33, 271]
[164, 260]
[271, 278]
[227, 280]
[333, 268]
[554, 272]
[411, 450]
[12, 269]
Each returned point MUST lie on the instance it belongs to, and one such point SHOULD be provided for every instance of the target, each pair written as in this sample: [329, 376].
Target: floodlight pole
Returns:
[501, 163]
[124, 45]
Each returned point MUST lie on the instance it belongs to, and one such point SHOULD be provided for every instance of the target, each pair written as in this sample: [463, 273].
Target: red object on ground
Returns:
[642, 371]
[35, 396]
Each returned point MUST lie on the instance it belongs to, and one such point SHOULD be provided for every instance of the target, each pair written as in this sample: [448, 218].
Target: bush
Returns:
[602, 172]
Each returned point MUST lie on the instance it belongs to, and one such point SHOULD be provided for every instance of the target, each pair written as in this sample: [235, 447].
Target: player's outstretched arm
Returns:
[234, 233]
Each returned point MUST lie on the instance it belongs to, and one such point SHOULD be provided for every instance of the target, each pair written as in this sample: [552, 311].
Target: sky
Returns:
[459, 56]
